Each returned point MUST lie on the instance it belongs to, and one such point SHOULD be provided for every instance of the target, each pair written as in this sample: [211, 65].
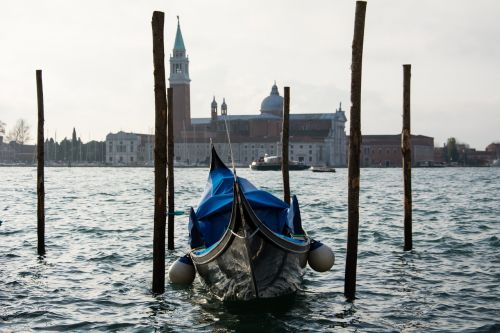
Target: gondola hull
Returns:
[252, 268]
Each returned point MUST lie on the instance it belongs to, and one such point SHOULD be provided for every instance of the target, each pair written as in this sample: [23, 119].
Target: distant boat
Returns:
[496, 163]
[322, 169]
[267, 163]
[429, 164]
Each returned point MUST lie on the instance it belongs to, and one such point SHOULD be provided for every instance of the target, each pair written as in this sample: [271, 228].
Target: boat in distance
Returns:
[322, 169]
[245, 243]
[267, 163]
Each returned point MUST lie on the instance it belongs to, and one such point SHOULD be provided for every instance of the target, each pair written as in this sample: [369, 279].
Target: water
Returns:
[97, 272]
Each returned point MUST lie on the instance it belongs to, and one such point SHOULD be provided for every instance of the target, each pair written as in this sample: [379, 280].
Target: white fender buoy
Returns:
[321, 257]
[182, 271]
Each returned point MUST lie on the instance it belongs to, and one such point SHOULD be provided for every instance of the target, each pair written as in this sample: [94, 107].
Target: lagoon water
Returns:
[96, 275]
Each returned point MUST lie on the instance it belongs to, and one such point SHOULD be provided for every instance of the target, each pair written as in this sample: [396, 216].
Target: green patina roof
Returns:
[179, 42]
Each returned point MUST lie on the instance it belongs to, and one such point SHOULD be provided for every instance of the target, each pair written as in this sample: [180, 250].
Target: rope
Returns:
[235, 234]
[230, 147]
[243, 237]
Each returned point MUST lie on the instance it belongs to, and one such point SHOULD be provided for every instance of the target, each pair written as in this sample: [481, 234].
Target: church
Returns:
[315, 138]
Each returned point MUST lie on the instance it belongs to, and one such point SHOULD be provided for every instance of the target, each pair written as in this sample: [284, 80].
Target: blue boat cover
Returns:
[208, 224]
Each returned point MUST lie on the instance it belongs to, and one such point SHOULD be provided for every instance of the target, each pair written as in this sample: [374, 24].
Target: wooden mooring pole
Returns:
[354, 153]
[160, 150]
[406, 152]
[40, 188]
[284, 146]
[170, 165]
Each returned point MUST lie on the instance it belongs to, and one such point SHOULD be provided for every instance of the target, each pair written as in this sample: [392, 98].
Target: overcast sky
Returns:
[97, 61]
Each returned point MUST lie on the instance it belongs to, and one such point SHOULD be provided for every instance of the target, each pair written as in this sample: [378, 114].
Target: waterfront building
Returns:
[14, 152]
[315, 138]
[466, 156]
[124, 148]
[494, 149]
[7, 153]
[471, 157]
[440, 155]
[385, 150]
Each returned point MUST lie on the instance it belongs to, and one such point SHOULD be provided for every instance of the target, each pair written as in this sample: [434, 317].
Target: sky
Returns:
[97, 62]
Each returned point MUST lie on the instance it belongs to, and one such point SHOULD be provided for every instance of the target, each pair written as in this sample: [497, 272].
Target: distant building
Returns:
[494, 148]
[467, 156]
[440, 155]
[473, 157]
[315, 138]
[14, 152]
[129, 148]
[7, 153]
[385, 150]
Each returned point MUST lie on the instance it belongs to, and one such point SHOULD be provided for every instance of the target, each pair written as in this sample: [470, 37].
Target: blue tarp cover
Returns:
[214, 210]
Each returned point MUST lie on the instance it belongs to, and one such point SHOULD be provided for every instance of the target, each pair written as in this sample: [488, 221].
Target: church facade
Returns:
[315, 138]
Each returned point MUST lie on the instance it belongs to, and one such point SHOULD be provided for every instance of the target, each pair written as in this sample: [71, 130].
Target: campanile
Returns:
[180, 82]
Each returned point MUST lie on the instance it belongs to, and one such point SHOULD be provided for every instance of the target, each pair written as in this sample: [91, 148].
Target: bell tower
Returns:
[223, 107]
[180, 82]
[214, 114]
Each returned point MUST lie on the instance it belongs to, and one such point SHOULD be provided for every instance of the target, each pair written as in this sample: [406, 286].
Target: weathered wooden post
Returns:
[284, 146]
[160, 154]
[170, 165]
[354, 152]
[406, 152]
[40, 187]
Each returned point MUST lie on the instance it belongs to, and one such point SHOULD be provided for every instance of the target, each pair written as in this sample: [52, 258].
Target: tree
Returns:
[452, 150]
[74, 146]
[20, 133]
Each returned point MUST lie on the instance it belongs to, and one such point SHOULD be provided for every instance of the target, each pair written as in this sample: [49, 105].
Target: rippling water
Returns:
[97, 272]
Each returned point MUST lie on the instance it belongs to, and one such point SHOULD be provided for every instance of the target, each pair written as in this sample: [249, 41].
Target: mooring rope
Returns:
[230, 147]
[243, 237]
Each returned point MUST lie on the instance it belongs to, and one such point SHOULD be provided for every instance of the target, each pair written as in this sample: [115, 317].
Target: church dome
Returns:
[272, 103]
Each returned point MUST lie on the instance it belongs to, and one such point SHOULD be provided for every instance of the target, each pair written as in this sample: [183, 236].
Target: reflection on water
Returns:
[96, 275]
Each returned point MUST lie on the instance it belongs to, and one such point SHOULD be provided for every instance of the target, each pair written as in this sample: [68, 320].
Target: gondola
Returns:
[245, 243]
